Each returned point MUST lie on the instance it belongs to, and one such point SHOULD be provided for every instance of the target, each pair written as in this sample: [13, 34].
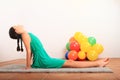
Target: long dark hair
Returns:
[14, 35]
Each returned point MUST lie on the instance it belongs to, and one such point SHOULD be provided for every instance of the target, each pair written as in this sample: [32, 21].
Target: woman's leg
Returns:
[84, 64]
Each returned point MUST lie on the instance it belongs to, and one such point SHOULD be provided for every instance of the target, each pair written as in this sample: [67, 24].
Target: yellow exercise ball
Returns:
[98, 48]
[81, 55]
[85, 46]
[78, 35]
[82, 39]
[92, 55]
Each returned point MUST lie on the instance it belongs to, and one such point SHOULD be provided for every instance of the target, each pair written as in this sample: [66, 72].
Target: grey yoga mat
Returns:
[21, 68]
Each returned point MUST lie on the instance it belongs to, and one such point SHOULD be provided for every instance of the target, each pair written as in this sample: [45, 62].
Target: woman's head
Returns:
[13, 34]
[16, 36]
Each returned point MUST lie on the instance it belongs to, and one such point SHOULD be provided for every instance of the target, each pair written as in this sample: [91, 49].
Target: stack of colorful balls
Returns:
[80, 47]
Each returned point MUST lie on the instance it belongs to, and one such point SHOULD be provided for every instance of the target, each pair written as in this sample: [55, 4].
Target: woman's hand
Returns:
[103, 62]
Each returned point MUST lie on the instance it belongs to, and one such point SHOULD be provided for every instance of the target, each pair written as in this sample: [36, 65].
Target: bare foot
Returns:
[103, 62]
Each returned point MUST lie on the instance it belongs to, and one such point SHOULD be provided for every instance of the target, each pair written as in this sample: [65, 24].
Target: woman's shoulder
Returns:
[31, 34]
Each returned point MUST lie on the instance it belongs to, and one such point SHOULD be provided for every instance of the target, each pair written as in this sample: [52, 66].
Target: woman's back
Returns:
[40, 57]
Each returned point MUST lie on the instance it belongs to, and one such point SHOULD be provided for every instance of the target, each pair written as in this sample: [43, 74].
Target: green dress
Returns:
[40, 57]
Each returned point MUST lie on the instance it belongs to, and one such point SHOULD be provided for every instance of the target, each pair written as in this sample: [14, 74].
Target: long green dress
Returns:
[40, 57]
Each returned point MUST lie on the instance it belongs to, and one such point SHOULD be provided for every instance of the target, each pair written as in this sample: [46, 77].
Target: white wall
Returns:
[55, 21]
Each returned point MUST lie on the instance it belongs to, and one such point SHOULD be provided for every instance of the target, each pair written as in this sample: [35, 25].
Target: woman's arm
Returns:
[26, 41]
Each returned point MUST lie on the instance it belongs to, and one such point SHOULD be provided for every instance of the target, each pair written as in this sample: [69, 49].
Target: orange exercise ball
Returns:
[72, 39]
[72, 55]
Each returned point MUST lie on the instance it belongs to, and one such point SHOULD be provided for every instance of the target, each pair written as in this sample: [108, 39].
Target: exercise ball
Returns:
[68, 46]
[85, 46]
[66, 55]
[98, 48]
[72, 55]
[81, 55]
[92, 55]
[75, 46]
[92, 40]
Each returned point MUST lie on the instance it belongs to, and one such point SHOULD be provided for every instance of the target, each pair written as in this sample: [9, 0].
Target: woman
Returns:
[41, 59]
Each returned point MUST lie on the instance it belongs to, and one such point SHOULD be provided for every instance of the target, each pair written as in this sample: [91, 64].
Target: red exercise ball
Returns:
[72, 55]
[74, 45]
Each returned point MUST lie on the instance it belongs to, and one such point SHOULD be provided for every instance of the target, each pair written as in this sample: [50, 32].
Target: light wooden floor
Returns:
[114, 65]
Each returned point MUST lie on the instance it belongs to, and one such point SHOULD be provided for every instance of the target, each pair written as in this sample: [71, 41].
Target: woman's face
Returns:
[19, 29]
